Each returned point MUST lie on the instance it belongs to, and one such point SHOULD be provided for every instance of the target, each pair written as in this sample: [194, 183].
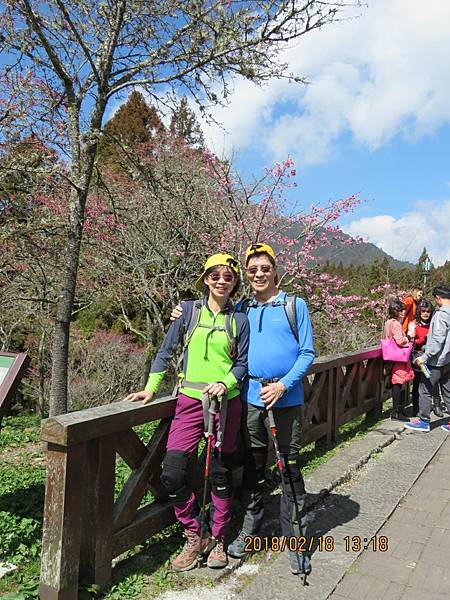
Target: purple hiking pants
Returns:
[185, 433]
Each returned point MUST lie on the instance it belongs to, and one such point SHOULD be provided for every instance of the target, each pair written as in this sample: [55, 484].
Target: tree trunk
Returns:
[81, 173]
[60, 352]
[41, 371]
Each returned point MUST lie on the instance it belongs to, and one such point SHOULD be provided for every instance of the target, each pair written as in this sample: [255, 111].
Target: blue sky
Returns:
[374, 120]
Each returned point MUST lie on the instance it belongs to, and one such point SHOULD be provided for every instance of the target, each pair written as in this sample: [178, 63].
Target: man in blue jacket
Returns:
[281, 351]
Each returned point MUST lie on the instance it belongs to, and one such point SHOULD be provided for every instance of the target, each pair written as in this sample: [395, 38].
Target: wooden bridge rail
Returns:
[85, 527]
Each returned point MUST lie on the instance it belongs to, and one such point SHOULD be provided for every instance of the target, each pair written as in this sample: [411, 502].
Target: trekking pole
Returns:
[279, 462]
[212, 409]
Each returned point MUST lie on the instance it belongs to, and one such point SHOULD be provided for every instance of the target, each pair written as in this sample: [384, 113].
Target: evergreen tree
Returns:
[440, 275]
[134, 123]
[24, 167]
[423, 271]
[379, 272]
[184, 124]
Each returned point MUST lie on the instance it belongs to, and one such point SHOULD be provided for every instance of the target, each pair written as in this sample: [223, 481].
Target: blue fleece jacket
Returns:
[274, 351]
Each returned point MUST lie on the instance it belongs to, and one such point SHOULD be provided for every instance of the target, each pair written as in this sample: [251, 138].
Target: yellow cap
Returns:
[217, 260]
[257, 248]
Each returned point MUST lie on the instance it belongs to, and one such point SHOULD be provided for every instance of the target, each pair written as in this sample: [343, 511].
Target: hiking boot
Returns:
[237, 547]
[438, 410]
[398, 416]
[418, 425]
[188, 557]
[299, 563]
[217, 558]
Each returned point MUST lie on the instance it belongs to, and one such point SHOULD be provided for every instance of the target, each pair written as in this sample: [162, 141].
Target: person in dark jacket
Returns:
[436, 356]
[214, 366]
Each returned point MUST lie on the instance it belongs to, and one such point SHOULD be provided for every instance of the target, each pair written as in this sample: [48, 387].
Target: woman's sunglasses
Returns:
[227, 277]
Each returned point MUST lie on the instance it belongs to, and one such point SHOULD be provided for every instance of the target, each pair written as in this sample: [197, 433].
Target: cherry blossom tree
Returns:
[75, 56]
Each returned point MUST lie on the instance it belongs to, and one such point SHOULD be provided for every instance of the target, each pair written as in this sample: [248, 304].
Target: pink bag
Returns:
[392, 352]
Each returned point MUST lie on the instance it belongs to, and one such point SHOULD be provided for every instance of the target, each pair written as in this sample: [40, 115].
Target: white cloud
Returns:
[378, 76]
[404, 238]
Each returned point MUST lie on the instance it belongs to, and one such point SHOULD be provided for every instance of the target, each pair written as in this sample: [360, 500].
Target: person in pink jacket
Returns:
[401, 371]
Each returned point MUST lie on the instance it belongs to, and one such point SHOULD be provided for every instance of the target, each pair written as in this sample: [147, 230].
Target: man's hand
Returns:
[146, 397]
[215, 389]
[271, 393]
[176, 312]
[419, 361]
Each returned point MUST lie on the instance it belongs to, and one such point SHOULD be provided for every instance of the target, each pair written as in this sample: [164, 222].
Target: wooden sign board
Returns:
[12, 369]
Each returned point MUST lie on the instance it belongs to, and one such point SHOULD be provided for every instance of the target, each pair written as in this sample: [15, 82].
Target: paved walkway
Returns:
[416, 564]
[401, 493]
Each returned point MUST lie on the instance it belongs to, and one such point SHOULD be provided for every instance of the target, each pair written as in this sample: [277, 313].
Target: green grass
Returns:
[144, 571]
[17, 432]
[22, 489]
[123, 471]
[21, 506]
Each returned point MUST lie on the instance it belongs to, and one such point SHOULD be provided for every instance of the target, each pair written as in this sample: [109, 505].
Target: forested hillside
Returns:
[159, 203]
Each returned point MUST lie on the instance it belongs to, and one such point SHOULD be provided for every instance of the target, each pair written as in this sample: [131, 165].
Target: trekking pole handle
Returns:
[273, 429]
[271, 419]
[212, 409]
[212, 406]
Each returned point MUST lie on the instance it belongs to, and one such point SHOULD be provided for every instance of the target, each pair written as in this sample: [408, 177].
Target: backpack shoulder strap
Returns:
[244, 304]
[231, 330]
[191, 321]
[229, 320]
[191, 316]
[290, 308]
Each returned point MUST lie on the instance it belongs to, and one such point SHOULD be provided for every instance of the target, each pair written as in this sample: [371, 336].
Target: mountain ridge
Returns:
[358, 253]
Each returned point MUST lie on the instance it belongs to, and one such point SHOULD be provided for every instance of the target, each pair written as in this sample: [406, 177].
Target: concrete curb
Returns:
[349, 460]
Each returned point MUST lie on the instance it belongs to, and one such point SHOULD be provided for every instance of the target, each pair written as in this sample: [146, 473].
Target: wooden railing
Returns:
[85, 527]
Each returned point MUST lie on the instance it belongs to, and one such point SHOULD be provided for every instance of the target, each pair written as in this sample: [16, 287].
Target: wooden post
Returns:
[335, 401]
[98, 501]
[62, 522]
[376, 386]
[331, 403]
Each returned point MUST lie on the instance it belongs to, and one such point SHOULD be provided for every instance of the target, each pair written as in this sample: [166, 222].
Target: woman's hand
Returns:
[215, 389]
[176, 312]
[146, 397]
[271, 393]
